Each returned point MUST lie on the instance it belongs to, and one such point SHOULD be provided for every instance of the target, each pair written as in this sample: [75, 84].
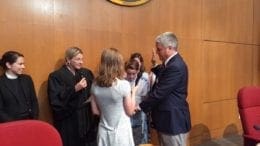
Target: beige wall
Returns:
[219, 39]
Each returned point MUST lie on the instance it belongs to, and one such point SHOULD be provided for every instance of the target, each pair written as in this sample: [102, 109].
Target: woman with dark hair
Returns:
[69, 91]
[139, 58]
[18, 99]
[135, 74]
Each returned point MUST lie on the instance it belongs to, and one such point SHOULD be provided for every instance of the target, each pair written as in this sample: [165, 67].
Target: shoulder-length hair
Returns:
[110, 68]
[140, 57]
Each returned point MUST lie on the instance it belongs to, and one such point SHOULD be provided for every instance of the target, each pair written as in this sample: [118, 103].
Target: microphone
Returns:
[81, 75]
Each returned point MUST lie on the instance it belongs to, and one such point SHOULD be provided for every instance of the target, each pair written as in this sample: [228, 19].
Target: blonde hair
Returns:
[110, 68]
[72, 52]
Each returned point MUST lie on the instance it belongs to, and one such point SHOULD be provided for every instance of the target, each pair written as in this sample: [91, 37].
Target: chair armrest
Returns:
[257, 139]
[257, 127]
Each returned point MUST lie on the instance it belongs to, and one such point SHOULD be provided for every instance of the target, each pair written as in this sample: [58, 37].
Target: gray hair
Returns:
[167, 39]
[72, 52]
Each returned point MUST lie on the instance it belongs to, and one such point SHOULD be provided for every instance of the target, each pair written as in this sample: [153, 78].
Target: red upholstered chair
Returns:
[28, 133]
[249, 110]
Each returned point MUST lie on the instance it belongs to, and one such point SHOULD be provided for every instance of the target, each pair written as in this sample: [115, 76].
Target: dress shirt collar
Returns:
[11, 76]
[169, 58]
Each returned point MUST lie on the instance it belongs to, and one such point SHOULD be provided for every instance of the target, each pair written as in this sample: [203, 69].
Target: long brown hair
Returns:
[110, 68]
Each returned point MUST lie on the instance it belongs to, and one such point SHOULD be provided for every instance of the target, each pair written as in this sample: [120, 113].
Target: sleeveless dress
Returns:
[115, 126]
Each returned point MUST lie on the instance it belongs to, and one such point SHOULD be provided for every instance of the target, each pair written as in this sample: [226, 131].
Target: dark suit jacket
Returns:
[10, 108]
[167, 99]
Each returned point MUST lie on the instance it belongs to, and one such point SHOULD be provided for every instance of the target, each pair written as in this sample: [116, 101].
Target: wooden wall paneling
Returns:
[228, 68]
[42, 52]
[228, 20]
[96, 41]
[130, 20]
[148, 19]
[42, 30]
[83, 39]
[42, 12]
[64, 15]
[142, 20]
[145, 46]
[115, 40]
[18, 32]
[129, 43]
[213, 116]
[5, 35]
[16, 21]
[105, 16]
[190, 48]
[256, 66]
[42, 36]
[62, 40]
[221, 118]
[187, 18]
[91, 54]
[15, 11]
[64, 29]
[231, 117]
[15, 35]
[164, 20]
[181, 17]
[256, 28]
[83, 14]
[242, 68]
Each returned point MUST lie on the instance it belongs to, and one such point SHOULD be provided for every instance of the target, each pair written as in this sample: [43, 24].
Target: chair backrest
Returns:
[29, 133]
[249, 109]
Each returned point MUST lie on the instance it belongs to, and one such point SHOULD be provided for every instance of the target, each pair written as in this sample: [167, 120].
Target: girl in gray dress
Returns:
[113, 101]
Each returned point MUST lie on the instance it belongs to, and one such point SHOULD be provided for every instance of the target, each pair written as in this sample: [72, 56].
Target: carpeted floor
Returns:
[232, 140]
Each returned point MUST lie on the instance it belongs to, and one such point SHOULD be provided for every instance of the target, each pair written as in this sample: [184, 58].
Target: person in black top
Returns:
[18, 100]
[68, 92]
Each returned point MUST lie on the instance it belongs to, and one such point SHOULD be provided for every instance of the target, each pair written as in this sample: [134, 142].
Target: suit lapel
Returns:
[173, 59]
[163, 66]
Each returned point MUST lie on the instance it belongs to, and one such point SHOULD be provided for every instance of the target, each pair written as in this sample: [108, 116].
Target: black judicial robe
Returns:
[72, 115]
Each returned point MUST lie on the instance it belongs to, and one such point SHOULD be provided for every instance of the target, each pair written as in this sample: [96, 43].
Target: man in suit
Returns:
[167, 100]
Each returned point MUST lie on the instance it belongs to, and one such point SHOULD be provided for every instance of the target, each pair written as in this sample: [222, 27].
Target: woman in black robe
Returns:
[68, 91]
